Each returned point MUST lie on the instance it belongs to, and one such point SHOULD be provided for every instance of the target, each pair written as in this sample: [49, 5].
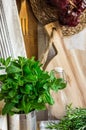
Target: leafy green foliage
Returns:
[25, 86]
[75, 119]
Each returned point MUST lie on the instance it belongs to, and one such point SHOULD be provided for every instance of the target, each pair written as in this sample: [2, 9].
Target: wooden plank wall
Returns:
[29, 27]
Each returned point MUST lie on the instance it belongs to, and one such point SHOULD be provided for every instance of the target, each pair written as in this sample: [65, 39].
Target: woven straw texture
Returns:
[43, 11]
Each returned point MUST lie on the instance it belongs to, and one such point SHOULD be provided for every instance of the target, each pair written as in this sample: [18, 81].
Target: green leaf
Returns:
[39, 106]
[58, 84]
[52, 77]
[7, 61]
[4, 87]
[1, 96]
[2, 68]
[2, 61]
[3, 77]
[28, 88]
[31, 78]
[46, 87]
[20, 82]
[15, 110]
[22, 61]
[13, 69]
[23, 102]
[26, 69]
[12, 93]
[46, 98]
[49, 99]
[7, 108]
[16, 99]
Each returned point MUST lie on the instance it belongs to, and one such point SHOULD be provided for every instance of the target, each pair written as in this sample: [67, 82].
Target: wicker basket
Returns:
[45, 13]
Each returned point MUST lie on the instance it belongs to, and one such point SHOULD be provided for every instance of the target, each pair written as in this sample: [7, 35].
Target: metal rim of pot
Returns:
[22, 121]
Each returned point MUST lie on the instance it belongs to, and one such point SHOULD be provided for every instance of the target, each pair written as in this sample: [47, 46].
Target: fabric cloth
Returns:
[11, 42]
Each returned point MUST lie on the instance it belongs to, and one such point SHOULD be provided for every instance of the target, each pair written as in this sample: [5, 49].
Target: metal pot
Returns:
[22, 121]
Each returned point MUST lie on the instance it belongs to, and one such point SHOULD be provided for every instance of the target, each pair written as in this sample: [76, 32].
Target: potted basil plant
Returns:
[25, 87]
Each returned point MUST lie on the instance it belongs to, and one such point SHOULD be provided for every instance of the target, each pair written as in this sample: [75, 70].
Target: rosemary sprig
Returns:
[75, 119]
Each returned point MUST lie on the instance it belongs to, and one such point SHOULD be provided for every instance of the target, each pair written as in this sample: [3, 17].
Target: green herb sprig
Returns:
[75, 119]
[25, 86]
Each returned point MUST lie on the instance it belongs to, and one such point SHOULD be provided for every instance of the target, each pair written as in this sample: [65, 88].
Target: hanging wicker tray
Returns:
[46, 13]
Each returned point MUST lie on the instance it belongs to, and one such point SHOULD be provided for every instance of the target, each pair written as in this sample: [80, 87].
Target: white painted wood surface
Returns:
[3, 122]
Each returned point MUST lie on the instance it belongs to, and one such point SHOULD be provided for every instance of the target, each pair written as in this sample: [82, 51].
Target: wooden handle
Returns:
[45, 54]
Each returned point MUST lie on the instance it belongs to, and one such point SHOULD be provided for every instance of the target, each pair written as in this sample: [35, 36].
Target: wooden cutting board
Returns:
[75, 91]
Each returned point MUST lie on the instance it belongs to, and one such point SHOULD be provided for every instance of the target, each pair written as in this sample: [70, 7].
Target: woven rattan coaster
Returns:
[67, 31]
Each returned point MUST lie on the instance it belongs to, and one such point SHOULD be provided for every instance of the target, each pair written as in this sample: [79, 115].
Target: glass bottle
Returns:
[59, 73]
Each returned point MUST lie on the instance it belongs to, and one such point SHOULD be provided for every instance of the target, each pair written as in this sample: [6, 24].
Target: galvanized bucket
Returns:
[22, 121]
